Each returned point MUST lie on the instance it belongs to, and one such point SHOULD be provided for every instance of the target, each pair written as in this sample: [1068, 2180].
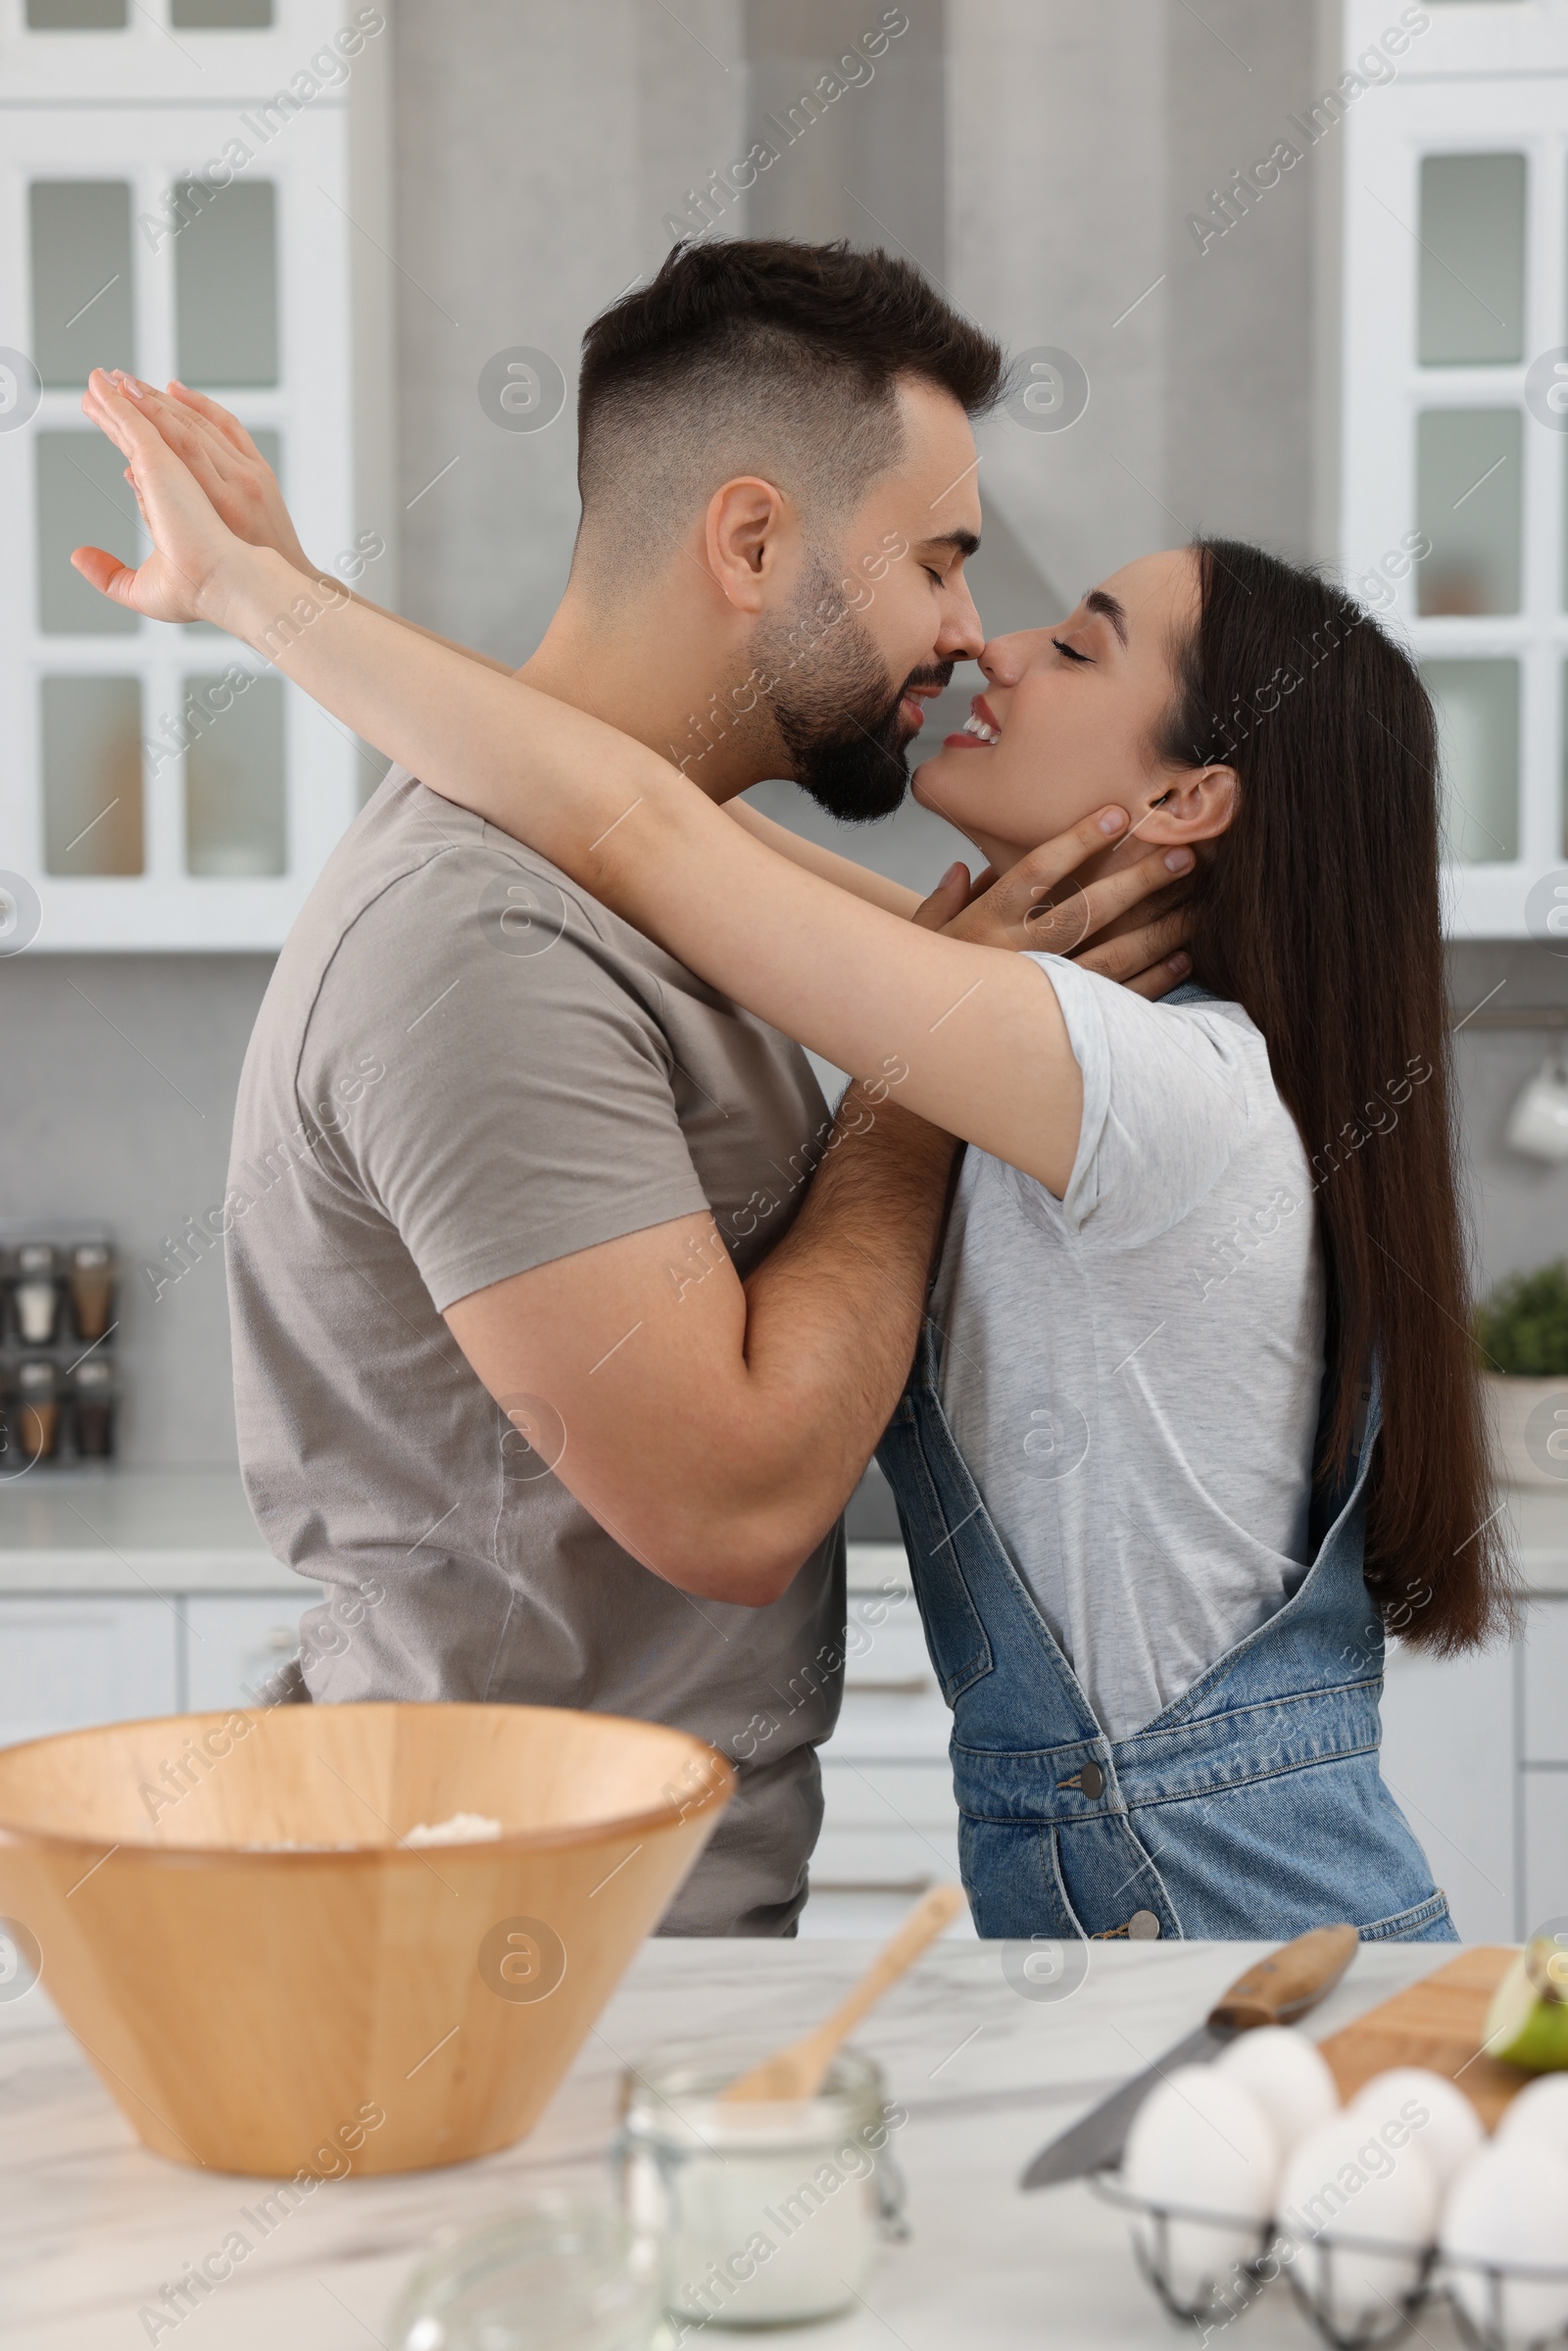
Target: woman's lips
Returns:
[981, 730]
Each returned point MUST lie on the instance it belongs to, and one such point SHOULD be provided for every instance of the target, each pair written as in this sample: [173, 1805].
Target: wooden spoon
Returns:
[798, 2071]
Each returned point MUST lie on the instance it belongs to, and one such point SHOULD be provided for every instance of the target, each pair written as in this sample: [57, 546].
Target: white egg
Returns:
[1345, 2184]
[1201, 2142]
[1287, 2075]
[1539, 2112]
[1438, 2117]
[1510, 2205]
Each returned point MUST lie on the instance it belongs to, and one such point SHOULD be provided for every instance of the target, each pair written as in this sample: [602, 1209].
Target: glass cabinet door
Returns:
[1456, 314]
[165, 786]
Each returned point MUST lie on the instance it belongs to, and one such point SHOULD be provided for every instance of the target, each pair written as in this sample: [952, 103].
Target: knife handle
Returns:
[1290, 1981]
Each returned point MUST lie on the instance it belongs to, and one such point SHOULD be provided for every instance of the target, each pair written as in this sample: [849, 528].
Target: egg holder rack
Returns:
[1493, 2333]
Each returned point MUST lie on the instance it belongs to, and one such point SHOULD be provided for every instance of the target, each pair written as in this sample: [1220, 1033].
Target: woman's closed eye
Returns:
[1071, 651]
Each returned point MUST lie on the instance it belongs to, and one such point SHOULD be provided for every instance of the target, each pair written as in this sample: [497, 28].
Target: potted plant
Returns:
[1521, 1330]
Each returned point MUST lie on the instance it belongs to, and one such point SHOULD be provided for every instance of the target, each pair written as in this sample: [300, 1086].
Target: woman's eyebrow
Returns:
[1100, 601]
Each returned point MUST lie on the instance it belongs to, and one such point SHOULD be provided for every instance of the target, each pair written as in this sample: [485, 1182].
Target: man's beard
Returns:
[836, 707]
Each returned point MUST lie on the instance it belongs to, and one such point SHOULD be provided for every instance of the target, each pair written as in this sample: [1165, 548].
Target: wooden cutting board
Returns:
[1437, 2024]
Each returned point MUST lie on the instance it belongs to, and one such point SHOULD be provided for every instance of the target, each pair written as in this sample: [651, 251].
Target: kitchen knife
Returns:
[1276, 1991]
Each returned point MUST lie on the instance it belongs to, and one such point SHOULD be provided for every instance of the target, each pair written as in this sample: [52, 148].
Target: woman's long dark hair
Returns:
[1318, 911]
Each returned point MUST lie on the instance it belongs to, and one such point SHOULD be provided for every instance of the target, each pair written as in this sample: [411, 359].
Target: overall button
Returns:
[1092, 1780]
[1143, 1926]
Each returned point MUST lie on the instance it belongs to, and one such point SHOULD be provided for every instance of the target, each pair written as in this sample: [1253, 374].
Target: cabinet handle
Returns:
[889, 1689]
[871, 1885]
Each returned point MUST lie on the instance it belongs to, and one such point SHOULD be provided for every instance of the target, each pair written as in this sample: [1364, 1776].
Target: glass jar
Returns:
[92, 1287]
[36, 1294]
[556, 2276]
[95, 1409]
[768, 2214]
[37, 1414]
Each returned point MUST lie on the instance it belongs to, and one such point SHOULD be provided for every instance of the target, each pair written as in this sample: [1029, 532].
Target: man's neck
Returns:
[657, 692]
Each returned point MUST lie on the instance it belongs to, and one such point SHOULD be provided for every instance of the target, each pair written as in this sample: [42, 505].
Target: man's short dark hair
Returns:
[760, 356]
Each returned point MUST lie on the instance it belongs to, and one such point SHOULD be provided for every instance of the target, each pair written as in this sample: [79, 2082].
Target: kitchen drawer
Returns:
[884, 1644]
[1545, 1722]
[1546, 1842]
[233, 1645]
[877, 1567]
[68, 1663]
[885, 1860]
[1457, 1793]
[885, 1722]
[886, 1796]
[867, 1917]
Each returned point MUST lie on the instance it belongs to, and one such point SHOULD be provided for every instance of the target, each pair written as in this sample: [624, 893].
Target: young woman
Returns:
[1196, 1417]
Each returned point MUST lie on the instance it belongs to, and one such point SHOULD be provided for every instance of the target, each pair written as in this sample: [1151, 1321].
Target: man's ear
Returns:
[745, 521]
[1197, 805]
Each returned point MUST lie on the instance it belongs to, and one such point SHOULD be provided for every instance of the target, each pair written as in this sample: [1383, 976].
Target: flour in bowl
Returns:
[463, 1829]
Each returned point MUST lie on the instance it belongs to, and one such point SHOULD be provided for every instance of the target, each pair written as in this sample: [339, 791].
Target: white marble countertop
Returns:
[190, 1529]
[93, 2224]
[123, 1530]
[187, 1530]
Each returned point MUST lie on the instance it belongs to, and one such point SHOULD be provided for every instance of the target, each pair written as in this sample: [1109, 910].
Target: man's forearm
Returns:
[834, 1313]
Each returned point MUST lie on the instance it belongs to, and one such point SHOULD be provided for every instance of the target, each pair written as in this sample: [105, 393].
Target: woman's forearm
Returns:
[971, 1036]
[858, 880]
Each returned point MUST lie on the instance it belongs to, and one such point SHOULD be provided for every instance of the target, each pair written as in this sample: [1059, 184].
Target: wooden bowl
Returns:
[376, 2008]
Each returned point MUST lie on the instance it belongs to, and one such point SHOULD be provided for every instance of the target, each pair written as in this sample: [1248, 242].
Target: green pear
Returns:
[1527, 2023]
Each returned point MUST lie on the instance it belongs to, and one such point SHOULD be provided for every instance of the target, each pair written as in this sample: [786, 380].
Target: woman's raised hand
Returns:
[226, 462]
[183, 579]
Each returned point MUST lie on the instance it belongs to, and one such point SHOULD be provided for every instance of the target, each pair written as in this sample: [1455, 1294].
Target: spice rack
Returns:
[59, 1318]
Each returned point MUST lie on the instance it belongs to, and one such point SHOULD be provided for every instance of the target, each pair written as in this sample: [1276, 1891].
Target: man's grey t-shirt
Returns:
[465, 1067]
[1133, 1372]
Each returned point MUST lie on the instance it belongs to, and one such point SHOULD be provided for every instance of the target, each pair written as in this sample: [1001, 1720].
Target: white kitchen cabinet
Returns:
[69, 1662]
[1449, 1756]
[1545, 1848]
[234, 1643]
[1543, 1732]
[206, 206]
[890, 1824]
[1455, 190]
[1474, 1748]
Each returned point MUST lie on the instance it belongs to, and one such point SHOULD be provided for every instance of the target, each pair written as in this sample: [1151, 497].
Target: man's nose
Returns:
[963, 635]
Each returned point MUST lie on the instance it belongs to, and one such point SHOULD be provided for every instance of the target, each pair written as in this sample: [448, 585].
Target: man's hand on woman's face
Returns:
[1036, 906]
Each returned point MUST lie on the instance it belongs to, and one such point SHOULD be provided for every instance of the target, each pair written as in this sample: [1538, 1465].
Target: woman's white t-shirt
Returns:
[1133, 1372]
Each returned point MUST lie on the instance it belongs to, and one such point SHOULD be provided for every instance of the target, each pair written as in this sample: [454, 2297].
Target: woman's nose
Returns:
[996, 661]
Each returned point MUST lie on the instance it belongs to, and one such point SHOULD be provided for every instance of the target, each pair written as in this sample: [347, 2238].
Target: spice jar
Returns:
[36, 1294]
[37, 1414]
[92, 1287]
[768, 2214]
[558, 2275]
[95, 1410]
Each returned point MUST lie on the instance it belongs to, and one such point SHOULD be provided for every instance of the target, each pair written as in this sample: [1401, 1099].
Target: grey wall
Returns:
[119, 1081]
[539, 148]
[1040, 158]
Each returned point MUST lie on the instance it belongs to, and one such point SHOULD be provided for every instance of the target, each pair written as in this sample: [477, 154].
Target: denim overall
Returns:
[1251, 1807]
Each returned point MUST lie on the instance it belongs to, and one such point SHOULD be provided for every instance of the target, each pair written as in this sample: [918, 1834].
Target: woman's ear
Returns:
[1197, 805]
[744, 522]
